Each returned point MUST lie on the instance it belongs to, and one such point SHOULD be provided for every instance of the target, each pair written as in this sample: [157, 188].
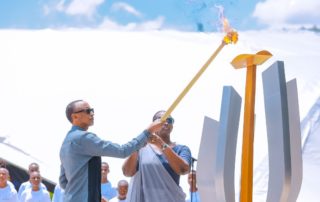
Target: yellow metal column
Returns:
[249, 61]
[248, 136]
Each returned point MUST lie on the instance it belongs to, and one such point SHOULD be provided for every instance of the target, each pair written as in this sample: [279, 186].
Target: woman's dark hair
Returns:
[70, 109]
[155, 116]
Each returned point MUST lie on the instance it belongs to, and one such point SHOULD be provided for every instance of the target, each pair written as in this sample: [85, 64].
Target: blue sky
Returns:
[187, 15]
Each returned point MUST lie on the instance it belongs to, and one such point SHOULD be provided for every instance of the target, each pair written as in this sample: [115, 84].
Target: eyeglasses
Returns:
[88, 111]
[169, 120]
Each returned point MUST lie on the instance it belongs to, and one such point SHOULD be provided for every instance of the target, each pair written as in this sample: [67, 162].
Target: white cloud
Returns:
[125, 7]
[155, 24]
[79, 7]
[293, 12]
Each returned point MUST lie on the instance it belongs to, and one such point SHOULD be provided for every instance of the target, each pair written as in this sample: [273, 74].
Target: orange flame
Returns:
[231, 34]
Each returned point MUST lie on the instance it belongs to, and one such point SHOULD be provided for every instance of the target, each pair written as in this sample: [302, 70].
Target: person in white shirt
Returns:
[7, 191]
[36, 193]
[122, 192]
[193, 190]
[107, 191]
[58, 194]
[27, 185]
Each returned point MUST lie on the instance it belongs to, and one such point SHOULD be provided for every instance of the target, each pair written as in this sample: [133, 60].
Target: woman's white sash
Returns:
[152, 182]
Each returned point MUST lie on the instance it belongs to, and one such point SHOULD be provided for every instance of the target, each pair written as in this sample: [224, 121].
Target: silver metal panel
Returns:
[216, 160]
[295, 140]
[207, 159]
[277, 120]
[227, 144]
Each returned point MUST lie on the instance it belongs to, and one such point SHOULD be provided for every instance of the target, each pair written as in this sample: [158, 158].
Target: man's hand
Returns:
[155, 126]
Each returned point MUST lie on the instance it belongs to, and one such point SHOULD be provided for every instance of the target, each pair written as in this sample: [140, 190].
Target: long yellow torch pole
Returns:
[231, 37]
[192, 82]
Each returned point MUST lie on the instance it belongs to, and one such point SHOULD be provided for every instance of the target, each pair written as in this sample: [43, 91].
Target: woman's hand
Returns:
[156, 140]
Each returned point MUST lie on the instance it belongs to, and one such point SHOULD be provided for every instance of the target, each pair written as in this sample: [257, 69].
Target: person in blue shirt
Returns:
[7, 191]
[122, 192]
[156, 168]
[194, 195]
[107, 191]
[57, 194]
[27, 185]
[81, 151]
[35, 192]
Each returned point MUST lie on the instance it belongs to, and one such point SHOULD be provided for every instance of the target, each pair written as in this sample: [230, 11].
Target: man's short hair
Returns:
[6, 171]
[3, 163]
[70, 109]
[33, 164]
[123, 182]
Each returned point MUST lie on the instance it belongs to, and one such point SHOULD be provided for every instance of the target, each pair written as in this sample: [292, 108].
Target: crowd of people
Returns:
[153, 161]
[34, 190]
[31, 190]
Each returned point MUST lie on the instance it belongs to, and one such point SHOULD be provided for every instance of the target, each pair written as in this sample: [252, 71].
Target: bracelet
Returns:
[164, 146]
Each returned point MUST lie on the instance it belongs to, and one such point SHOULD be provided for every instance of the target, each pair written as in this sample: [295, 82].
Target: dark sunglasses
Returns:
[88, 111]
[169, 120]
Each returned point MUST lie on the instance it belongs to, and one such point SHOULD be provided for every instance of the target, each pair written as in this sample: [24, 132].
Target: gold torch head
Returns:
[231, 37]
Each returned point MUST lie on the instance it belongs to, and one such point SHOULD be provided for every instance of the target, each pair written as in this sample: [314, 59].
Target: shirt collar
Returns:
[73, 128]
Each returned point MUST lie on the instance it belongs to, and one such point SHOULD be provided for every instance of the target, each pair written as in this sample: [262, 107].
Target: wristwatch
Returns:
[164, 146]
